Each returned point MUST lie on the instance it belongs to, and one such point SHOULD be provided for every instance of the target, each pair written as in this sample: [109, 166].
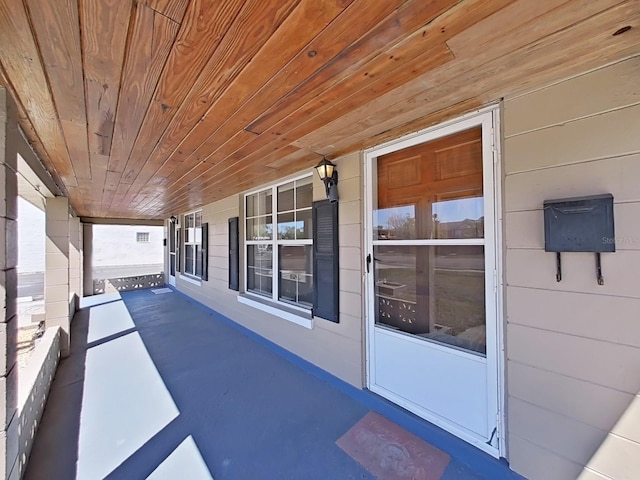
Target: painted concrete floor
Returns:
[159, 387]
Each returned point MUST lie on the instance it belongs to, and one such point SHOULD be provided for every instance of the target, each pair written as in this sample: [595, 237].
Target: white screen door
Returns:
[432, 293]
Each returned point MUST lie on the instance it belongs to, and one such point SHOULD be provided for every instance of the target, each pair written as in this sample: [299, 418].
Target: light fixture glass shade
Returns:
[325, 169]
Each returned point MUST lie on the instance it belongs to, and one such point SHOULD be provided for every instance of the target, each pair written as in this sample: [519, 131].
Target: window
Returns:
[193, 244]
[142, 237]
[279, 239]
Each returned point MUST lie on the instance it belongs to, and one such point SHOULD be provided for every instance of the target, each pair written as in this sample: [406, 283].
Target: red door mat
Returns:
[389, 452]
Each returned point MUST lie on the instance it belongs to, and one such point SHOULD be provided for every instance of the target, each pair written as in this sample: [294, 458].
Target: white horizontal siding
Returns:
[573, 347]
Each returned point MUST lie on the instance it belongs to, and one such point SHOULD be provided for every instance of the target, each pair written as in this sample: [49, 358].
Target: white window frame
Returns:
[274, 242]
[146, 236]
[186, 274]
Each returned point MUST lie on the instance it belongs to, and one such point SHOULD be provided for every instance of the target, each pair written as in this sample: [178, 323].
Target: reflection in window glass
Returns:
[188, 259]
[198, 261]
[260, 269]
[285, 197]
[294, 207]
[433, 292]
[395, 223]
[296, 274]
[460, 218]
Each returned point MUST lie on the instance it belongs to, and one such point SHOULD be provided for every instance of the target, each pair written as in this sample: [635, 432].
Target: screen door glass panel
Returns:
[429, 260]
[431, 191]
[433, 292]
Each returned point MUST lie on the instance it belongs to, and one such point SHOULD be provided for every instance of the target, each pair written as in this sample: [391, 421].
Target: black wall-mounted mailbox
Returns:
[583, 224]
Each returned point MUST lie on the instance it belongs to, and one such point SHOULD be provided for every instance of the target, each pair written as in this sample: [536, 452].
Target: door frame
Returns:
[171, 237]
[489, 119]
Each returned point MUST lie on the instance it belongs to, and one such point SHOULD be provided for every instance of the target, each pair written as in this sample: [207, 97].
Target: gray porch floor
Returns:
[159, 387]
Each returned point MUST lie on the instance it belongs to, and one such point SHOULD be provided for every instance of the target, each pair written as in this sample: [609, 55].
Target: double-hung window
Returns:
[193, 244]
[279, 239]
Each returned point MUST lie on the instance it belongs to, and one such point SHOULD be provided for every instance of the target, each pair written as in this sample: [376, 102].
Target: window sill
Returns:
[299, 318]
[190, 279]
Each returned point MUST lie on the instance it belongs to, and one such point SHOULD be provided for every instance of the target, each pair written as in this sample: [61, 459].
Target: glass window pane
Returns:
[303, 224]
[265, 202]
[285, 197]
[395, 223]
[296, 274]
[188, 259]
[432, 190]
[259, 269]
[259, 203]
[304, 192]
[252, 205]
[198, 221]
[436, 293]
[259, 228]
[459, 218]
[286, 226]
[198, 261]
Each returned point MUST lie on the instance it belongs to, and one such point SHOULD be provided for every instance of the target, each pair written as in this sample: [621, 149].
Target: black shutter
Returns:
[234, 254]
[326, 287]
[179, 250]
[204, 251]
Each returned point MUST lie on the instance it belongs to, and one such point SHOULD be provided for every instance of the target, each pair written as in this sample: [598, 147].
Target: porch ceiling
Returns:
[146, 108]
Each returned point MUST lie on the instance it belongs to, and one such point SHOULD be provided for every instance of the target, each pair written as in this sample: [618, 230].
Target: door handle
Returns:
[369, 260]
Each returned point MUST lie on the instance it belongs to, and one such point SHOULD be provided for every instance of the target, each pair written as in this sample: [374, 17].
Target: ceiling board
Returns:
[308, 19]
[22, 67]
[150, 42]
[252, 26]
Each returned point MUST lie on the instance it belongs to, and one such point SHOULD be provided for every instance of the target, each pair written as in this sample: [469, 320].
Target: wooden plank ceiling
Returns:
[147, 108]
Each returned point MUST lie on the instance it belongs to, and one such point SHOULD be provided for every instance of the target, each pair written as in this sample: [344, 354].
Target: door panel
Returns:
[455, 384]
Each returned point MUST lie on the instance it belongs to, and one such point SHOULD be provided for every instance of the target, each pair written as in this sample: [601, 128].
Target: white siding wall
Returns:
[573, 347]
[116, 245]
[337, 348]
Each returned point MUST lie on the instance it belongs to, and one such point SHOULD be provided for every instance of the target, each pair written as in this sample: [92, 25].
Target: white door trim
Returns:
[172, 278]
[488, 118]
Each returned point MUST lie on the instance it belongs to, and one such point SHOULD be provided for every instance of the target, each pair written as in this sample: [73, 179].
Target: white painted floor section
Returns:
[122, 407]
[184, 462]
[108, 319]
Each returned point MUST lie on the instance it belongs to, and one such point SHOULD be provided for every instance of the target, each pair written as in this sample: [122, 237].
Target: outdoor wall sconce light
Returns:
[173, 219]
[329, 175]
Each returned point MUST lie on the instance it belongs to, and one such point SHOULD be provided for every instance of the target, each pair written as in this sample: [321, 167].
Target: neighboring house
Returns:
[126, 250]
